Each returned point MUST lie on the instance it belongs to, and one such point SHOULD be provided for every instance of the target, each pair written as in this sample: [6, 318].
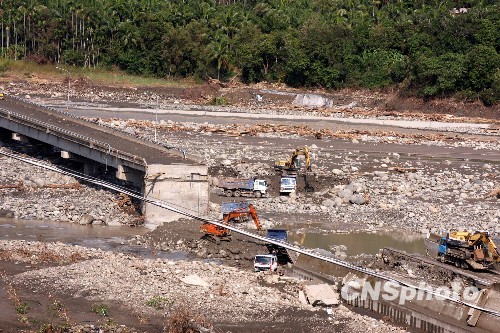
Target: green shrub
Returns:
[100, 309]
[158, 302]
[5, 65]
[218, 100]
[22, 308]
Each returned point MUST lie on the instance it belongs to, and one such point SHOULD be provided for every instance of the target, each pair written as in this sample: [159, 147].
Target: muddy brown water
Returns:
[359, 243]
[102, 237]
[116, 238]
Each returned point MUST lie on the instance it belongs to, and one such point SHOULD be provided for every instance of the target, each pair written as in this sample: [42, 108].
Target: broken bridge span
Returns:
[161, 172]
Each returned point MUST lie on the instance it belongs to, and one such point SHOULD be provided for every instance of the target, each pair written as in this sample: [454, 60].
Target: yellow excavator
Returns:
[469, 250]
[293, 163]
[291, 166]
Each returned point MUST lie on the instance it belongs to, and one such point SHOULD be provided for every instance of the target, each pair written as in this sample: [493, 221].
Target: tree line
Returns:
[427, 48]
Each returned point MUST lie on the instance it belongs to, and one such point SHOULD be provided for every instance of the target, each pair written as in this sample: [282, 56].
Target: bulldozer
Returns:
[218, 233]
[293, 165]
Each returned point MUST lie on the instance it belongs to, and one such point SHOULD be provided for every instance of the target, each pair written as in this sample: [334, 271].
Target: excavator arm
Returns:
[255, 218]
[483, 238]
[303, 151]
[241, 212]
[290, 164]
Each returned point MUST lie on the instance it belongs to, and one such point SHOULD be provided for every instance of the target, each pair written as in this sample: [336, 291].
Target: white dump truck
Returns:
[265, 262]
[288, 184]
[236, 187]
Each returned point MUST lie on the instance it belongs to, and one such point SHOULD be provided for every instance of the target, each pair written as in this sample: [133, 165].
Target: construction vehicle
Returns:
[242, 186]
[288, 184]
[265, 262]
[293, 163]
[278, 255]
[465, 250]
[281, 253]
[291, 167]
[217, 233]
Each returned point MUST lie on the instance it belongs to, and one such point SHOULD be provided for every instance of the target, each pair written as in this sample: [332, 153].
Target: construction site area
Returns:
[321, 213]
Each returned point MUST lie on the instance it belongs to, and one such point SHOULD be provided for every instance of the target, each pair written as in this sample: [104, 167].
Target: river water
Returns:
[102, 237]
[359, 243]
[115, 238]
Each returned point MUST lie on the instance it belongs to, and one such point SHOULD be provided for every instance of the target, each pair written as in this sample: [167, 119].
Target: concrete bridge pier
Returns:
[185, 185]
[134, 176]
[90, 167]
[19, 137]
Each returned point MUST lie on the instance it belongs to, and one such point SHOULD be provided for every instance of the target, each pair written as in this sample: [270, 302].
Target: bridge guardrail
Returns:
[182, 151]
[72, 136]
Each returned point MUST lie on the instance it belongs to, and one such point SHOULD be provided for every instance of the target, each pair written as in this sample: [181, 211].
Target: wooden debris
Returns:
[302, 130]
[10, 186]
[125, 203]
[494, 193]
[402, 170]
[21, 185]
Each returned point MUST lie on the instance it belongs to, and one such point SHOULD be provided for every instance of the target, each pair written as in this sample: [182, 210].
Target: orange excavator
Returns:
[216, 232]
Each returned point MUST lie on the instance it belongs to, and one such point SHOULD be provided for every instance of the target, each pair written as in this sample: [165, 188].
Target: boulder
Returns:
[113, 223]
[195, 280]
[6, 213]
[86, 219]
[358, 199]
[345, 193]
[328, 203]
[337, 172]
[39, 182]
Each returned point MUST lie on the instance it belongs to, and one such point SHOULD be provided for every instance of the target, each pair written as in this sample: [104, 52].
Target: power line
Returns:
[286, 245]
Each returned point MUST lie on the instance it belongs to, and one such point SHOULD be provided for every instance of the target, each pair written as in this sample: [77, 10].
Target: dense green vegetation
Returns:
[424, 47]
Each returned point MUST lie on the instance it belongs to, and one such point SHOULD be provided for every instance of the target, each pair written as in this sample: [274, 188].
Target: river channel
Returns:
[360, 243]
[102, 237]
[116, 238]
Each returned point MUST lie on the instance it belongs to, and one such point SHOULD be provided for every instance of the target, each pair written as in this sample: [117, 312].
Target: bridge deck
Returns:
[152, 153]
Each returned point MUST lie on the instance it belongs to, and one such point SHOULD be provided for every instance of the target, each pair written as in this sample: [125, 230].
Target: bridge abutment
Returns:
[159, 172]
[184, 185]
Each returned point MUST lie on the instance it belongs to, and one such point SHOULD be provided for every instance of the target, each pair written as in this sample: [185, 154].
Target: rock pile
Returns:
[218, 292]
[34, 193]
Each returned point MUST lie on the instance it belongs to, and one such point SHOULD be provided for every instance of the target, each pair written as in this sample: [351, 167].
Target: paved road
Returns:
[248, 117]
[251, 118]
[153, 154]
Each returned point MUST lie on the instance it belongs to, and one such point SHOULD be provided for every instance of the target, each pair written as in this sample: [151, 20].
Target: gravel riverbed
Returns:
[370, 180]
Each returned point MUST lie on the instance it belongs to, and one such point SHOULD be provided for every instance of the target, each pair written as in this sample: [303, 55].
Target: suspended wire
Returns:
[286, 245]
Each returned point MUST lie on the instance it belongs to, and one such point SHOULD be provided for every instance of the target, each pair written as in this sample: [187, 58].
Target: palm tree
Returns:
[218, 49]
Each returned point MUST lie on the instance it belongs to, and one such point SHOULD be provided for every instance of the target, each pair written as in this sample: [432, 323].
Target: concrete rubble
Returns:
[321, 295]
[399, 187]
[225, 292]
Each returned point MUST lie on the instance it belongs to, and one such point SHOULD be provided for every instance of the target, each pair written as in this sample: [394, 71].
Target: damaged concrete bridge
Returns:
[161, 172]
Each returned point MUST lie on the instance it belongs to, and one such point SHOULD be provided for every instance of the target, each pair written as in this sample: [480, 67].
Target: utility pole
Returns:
[156, 116]
[69, 86]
